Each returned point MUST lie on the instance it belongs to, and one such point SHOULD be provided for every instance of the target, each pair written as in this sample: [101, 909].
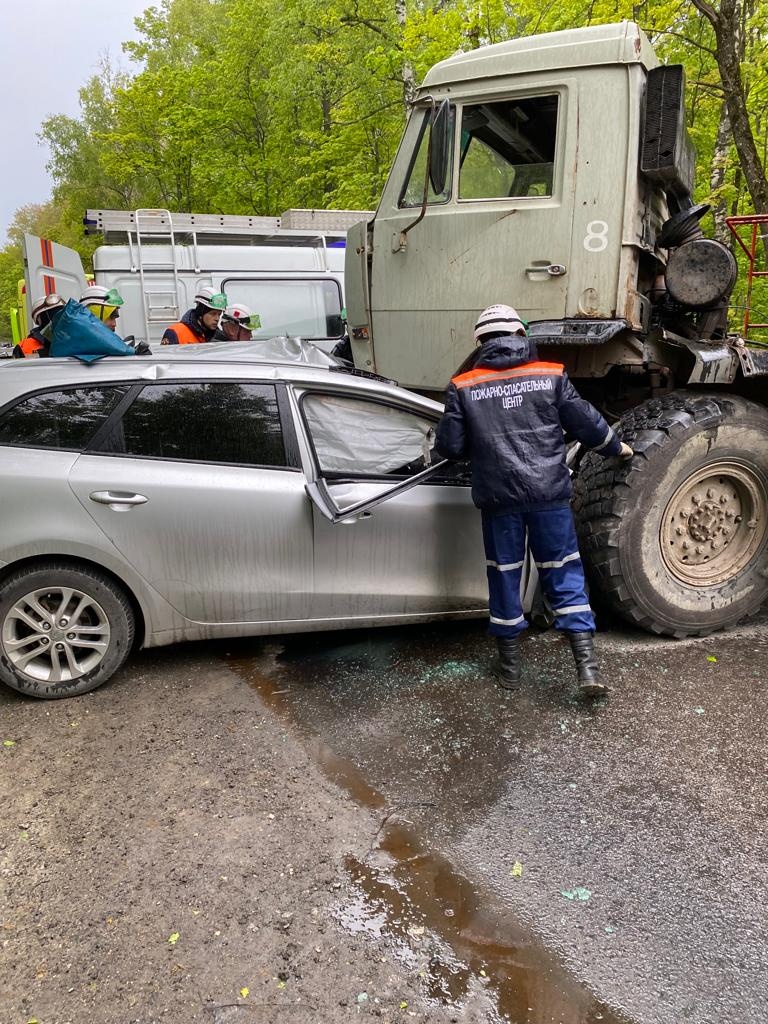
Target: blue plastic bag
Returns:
[77, 332]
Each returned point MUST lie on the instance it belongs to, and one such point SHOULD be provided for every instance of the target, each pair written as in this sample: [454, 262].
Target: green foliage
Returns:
[255, 106]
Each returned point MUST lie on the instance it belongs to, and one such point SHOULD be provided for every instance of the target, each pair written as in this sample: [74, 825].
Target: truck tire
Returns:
[64, 630]
[676, 539]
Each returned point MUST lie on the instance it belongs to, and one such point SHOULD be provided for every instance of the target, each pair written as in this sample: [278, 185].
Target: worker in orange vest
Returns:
[200, 323]
[37, 343]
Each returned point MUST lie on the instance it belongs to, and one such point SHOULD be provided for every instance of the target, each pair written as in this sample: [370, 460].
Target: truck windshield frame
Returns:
[412, 191]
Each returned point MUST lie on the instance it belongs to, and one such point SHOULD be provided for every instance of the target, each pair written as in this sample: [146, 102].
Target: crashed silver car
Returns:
[217, 491]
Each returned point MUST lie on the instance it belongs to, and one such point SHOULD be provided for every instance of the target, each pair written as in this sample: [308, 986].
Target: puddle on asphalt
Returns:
[414, 899]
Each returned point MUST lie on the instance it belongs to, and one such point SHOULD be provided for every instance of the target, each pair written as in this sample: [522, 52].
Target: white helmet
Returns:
[498, 320]
[210, 298]
[98, 296]
[240, 314]
[46, 304]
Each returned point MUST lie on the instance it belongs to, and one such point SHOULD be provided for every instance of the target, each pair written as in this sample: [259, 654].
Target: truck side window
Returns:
[508, 148]
[413, 192]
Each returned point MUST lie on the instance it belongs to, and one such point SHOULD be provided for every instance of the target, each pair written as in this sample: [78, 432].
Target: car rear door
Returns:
[394, 534]
[194, 481]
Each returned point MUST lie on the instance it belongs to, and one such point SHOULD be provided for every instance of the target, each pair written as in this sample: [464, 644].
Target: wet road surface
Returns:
[601, 862]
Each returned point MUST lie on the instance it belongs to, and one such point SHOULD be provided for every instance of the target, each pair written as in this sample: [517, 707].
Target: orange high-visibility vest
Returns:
[185, 335]
[30, 345]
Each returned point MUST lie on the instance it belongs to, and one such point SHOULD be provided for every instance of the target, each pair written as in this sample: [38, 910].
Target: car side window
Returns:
[66, 419]
[222, 422]
[356, 437]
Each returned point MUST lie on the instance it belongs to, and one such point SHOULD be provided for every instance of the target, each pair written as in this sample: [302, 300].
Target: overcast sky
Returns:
[48, 49]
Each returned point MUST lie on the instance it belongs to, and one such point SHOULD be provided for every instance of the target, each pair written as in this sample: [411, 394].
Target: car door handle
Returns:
[118, 500]
[358, 518]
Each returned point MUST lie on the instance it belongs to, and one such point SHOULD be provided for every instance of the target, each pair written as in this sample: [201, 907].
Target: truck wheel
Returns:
[675, 540]
[63, 630]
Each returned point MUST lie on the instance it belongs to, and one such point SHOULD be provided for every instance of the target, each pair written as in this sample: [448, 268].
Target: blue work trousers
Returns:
[555, 550]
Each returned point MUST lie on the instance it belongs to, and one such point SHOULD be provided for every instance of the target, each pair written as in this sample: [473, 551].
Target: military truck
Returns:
[555, 173]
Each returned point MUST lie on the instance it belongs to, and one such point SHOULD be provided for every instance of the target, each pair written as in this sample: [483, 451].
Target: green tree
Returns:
[254, 106]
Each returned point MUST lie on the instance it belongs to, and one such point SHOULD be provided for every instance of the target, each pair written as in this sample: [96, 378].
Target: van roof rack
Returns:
[293, 227]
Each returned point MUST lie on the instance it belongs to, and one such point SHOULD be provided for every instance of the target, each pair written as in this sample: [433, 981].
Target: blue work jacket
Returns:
[507, 416]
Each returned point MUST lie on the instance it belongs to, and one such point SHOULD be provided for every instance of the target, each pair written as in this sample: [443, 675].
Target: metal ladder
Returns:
[157, 223]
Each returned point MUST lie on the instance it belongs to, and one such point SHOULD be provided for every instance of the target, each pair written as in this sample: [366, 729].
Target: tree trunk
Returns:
[406, 72]
[717, 178]
[727, 26]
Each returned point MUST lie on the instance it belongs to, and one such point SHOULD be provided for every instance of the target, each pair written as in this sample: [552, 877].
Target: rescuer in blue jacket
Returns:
[507, 416]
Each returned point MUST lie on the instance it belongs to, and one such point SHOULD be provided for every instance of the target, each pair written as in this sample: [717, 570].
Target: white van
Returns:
[288, 269]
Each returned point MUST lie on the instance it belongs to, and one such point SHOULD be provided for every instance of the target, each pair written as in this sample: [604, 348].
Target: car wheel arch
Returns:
[76, 562]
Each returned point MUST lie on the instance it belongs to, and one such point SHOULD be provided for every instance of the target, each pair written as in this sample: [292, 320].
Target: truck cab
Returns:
[542, 205]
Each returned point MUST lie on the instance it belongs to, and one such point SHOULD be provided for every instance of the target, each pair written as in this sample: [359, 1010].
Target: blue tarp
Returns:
[77, 332]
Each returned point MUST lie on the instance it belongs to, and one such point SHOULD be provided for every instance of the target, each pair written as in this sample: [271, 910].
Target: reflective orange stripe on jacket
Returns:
[30, 345]
[524, 370]
[185, 334]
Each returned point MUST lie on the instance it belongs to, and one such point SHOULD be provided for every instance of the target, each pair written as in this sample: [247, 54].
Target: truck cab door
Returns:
[497, 229]
[50, 267]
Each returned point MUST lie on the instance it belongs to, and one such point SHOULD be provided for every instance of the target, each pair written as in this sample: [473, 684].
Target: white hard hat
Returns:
[46, 304]
[210, 298]
[98, 296]
[498, 320]
[239, 314]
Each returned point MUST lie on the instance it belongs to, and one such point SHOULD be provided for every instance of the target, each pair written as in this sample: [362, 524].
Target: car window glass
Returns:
[356, 437]
[203, 422]
[304, 308]
[508, 149]
[59, 419]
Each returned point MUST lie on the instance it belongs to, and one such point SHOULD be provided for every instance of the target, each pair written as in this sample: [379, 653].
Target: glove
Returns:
[625, 452]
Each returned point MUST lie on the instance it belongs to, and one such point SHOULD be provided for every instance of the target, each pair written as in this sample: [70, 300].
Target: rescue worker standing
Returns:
[200, 323]
[37, 343]
[235, 323]
[507, 415]
[104, 303]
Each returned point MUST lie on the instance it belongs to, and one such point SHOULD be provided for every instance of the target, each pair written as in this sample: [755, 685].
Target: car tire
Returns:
[64, 630]
[675, 540]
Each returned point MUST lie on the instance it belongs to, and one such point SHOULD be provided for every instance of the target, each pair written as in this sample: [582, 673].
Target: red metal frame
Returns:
[735, 224]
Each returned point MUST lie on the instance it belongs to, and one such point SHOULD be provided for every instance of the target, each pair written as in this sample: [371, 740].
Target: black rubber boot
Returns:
[583, 647]
[509, 668]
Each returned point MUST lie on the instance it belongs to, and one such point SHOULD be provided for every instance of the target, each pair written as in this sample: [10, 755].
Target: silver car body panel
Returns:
[200, 557]
[218, 543]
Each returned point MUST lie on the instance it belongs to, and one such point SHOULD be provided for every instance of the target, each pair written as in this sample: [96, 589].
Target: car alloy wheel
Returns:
[55, 635]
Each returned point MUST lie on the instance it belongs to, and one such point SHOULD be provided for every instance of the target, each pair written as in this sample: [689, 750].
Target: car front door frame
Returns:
[317, 487]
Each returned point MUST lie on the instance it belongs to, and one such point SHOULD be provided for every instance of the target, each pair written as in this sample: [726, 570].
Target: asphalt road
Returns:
[628, 838]
[456, 853]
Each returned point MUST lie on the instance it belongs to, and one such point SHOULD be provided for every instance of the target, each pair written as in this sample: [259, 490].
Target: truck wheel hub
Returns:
[714, 523]
[706, 522]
